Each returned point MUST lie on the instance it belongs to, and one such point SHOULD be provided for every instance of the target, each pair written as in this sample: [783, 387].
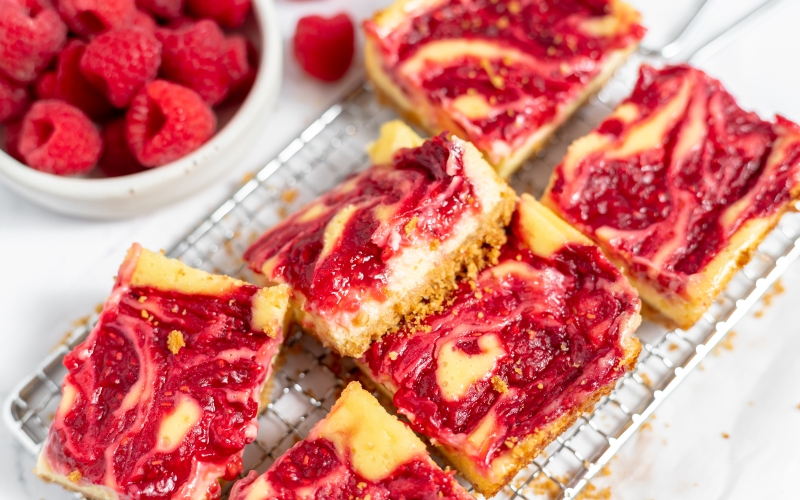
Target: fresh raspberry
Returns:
[324, 47]
[14, 98]
[58, 138]
[241, 61]
[227, 13]
[192, 55]
[89, 18]
[120, 61]
[163, 9]
[29, 39]
[167, 121]
[117, 158]
[144, 21]
[13, 130]
[73, 87]
[45, 87]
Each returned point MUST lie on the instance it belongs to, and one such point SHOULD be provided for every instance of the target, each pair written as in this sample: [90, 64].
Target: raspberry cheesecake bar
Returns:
[518, 354]
[503, 74]
[163, 395]
[388, 242]
[679, 186]
[358, 451]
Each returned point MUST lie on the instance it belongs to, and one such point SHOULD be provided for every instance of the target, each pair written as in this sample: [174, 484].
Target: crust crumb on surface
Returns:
[175, 341]
[499, 385]
[75, 476]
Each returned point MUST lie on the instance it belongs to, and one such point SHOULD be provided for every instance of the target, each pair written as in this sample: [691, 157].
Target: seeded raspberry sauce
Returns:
[128, 379]
[558, 321]
[558, 58]
[663, 197]
[424, 194]
[314, 465]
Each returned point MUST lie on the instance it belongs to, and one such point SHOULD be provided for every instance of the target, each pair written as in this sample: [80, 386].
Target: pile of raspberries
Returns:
[124, 85]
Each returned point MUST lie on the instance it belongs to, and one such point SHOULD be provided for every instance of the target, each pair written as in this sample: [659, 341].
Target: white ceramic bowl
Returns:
[126, 196]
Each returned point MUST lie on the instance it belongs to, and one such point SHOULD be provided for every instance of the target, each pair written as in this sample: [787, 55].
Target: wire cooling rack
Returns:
[309, 378]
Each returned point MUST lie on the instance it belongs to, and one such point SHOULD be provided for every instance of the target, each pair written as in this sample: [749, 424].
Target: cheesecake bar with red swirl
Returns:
[388, 242]
[502, 74]
[518, 353]
[163, 395]
[679, 186]
[357, 451]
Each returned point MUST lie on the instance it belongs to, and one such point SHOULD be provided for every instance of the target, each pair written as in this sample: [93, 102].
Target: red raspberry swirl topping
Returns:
[425, 192]
[551, 330]
[133, 372]
[669, 208]
[528, 59]
[315, 466]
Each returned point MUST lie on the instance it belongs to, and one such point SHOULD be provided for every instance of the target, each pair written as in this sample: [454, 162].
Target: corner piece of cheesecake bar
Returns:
[679, 186]
[501, 74]
[387, 242]
[520, 352]
[163, 395]
[357, 451]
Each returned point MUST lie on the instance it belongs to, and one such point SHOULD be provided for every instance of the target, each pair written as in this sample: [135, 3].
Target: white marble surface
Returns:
[55, 269]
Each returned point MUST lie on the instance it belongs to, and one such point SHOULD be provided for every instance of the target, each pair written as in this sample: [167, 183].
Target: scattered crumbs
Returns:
[750, 403]
[798, 407]
[777, 289]
[672, 347]
[247, 177]
[82, 321]
[727, 344]
[175, 341]
[605, 471]
[289, 195]
[646, 379]
[647, 426]
[545, 487]
[75, 476]
[499, 385]
[282, 212]
[773, 292]
[142, 299]
[393, 355]
[145, 314]
[591, 492]
[695, 484]
[540, 386]
[701, 367]
[725, 435]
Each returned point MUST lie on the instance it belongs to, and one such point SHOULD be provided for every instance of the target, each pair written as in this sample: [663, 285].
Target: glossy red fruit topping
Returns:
[45, 87]
[74, 88]
[144, 21]
[117, 157]
[163, 9]
[192, 55]
[324, 47]
[227, 13]
[120, 61]
[89, 18]
[59, 138]
[14, 98]
[166, 121]
[29, 39]
[12, 133]
[241, 61]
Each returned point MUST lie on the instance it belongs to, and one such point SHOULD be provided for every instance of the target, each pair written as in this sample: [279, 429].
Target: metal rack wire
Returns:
[310, 377]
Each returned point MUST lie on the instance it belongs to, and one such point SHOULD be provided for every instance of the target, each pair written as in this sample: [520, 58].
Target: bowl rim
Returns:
[261, 94]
